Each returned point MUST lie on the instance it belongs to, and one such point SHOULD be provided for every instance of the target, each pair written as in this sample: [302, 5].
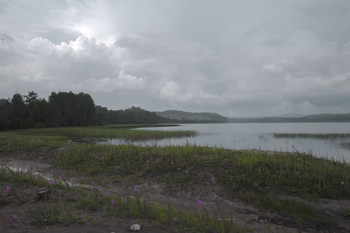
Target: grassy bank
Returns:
[64, 205]
[266, 180]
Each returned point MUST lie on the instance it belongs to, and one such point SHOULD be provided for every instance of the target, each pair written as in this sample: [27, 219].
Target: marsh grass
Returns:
[313, 136]
[110, 131]
[342, 140]
[291, 174]
[12, 143]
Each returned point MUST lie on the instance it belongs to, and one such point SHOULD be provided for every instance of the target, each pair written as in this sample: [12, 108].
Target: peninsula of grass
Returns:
[109, 131]
[285, 183]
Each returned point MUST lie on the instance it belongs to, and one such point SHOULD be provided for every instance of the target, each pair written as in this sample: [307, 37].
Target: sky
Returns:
[237, 58]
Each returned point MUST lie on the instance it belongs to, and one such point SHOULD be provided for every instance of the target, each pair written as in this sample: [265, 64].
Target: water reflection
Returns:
[261, 136]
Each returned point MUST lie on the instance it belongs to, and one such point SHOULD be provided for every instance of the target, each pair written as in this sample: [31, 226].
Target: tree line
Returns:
[65, 109]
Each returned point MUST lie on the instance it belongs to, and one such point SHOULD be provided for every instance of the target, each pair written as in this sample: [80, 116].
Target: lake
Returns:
[260, 136]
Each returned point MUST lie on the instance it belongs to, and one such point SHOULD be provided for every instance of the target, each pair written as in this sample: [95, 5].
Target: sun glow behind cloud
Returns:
[84, 30]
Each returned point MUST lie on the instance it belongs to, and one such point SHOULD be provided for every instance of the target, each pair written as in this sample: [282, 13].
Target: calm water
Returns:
[260, 136]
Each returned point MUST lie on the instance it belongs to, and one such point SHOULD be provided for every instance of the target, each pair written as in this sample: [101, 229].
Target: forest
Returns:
[65, 109]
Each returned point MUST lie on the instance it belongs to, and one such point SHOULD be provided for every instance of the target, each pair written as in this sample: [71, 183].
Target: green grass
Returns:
[298, 174]
[47, 213]
[346, 213]
[301, 212]
[23, 177]
[292, 174]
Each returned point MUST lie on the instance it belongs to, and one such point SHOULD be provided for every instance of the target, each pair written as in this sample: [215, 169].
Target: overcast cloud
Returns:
[236, 58]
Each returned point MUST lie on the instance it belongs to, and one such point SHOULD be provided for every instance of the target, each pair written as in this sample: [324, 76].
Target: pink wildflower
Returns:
[6, 172]
[93, 183]
[52, 182]
[199, 202]
[14, 217]
[8, 189]
[53, 171]
[113, 202]
[122, 193]
[186, 204]
[108, 192]
[136, 189]
[231, 204]
[122, 199]
[215, 197]
[256, 185]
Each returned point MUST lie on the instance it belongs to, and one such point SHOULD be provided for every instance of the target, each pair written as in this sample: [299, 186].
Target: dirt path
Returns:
[184, 199]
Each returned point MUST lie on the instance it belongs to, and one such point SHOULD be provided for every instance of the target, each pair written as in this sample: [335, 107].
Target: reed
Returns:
[312, 136]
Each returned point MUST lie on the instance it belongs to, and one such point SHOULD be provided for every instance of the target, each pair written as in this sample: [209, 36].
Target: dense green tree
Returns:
[17, 112]
[32, 97]
[134, 115]
[65, 109]
[69, 109]
[5, 122]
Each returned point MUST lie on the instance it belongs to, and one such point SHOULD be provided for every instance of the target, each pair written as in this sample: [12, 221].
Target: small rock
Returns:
[135, 227]
[42, 195]
[261, 221]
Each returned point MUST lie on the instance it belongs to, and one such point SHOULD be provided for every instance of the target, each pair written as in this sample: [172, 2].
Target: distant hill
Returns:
[206, 117]
[327, 117]
[189, 117]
